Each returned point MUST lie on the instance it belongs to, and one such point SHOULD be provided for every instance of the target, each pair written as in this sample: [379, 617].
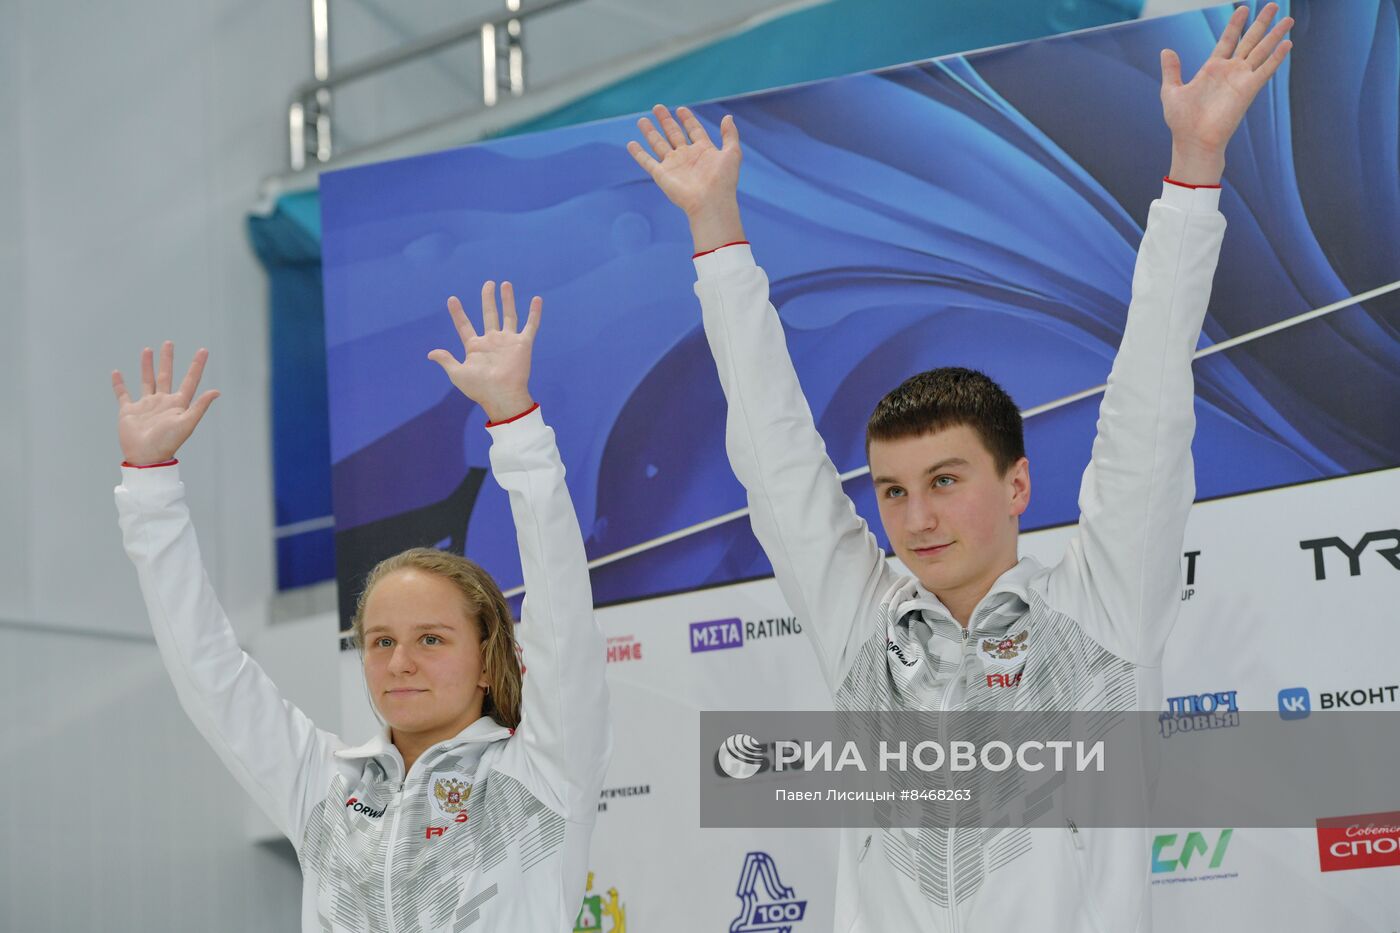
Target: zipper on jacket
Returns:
[389, 859]
[953, 924]
[864, 849]
[1074, 835]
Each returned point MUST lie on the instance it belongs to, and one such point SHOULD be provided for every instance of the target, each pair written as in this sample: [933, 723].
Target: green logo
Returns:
[1163, 846]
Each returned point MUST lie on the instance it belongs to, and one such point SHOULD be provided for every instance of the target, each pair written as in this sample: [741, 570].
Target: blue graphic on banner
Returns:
[774, 910]
[966, 211]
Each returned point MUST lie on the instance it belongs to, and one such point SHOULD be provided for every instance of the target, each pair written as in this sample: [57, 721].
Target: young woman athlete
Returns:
[473, 809]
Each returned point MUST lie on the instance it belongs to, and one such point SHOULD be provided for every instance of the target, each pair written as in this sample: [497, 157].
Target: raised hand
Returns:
[699, 178]
[1204, 114]
[152, 428]
[496, 371]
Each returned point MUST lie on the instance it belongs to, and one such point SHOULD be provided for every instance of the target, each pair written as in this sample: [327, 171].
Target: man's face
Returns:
[422, 655]
[950, 515]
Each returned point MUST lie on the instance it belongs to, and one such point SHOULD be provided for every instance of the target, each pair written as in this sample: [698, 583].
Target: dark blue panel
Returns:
[971, 211]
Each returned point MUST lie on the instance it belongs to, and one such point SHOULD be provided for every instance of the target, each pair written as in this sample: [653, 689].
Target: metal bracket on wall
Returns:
[501, 38]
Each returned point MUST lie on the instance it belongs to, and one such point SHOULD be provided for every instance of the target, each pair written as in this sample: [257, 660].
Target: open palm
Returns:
[686, 165]
[495, 372]
[152, 428]
[1204, 114]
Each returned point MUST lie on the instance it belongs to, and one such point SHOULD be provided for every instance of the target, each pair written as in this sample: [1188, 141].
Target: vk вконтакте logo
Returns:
[717, 634]
[1197, 712]
[1294, 703]
[775, 909]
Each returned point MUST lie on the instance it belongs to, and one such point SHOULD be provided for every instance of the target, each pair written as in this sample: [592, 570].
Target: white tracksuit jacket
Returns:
[382, 851]
[1097, 621]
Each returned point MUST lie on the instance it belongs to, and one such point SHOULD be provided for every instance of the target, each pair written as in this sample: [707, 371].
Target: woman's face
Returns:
[422, 653]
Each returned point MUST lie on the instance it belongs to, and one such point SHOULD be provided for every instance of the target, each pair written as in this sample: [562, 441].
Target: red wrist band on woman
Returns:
[148, 466]
[718, 248]
[1181, 184]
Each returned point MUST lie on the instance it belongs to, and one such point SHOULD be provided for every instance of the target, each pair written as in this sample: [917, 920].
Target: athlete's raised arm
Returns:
[1137, 491]
[564, 739]
[826, 560]
[271, 747]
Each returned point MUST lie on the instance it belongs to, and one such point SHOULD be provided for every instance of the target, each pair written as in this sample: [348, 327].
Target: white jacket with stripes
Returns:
[1094, 624]
[382, 850]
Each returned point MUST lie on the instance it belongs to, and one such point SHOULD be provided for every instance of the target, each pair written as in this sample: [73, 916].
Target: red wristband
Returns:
[148, 466]
[1182, 184]
[718, 248]
[496, 424]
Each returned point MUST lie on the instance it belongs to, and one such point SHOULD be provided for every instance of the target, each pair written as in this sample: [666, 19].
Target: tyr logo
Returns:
[1353, 554]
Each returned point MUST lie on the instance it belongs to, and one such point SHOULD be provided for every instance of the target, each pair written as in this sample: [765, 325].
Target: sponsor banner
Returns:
[1347, 558]
[720, 634]
[1369, 840]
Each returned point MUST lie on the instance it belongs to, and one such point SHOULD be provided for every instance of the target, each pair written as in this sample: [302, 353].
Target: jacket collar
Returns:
[484, 731]
[1005, 602]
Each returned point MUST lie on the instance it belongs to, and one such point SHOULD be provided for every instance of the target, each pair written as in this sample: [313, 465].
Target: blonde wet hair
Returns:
[483, 603]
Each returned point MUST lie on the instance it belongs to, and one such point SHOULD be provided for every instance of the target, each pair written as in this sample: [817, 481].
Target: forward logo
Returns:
[359, 806]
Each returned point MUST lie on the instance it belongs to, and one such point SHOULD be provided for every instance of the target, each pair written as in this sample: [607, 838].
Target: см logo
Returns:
[778, 910]
[1195, 843]
[741, 756]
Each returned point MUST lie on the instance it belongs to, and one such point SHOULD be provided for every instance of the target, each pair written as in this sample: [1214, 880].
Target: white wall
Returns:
[14, 526]
[134, 137]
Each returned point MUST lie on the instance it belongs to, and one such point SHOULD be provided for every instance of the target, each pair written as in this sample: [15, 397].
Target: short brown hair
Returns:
[947, 397]
[484, 604]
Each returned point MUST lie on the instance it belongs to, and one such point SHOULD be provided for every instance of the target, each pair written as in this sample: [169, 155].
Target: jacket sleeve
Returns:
[564, 739]
[273, 750]
[1121, 575]
[828, 564]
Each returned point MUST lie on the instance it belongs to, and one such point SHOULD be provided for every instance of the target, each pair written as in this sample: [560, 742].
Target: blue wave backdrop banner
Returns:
[980, 210]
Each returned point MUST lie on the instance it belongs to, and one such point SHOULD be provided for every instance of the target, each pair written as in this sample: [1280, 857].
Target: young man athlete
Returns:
[951, 479]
